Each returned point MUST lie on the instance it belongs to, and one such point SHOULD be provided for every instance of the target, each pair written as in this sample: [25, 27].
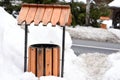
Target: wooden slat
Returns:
[47, 15]
[39, 15]
[22, 15]
[31, 15]
[29, 60]
[33, 60]
[69, 20]
[55, 16]
[64, 16]
[40, 62]
[44, 13]
[56, 61]
[48, 62]
[103, 26]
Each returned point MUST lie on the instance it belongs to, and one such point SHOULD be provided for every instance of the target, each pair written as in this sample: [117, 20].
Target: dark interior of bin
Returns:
[44, 45]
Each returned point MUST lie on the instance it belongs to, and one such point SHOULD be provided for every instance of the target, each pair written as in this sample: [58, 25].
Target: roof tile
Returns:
[56, 14]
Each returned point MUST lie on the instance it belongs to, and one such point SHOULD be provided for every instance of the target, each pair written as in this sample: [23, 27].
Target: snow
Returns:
[97, 34]
[84, 1]
[114, 3]
[87, 66]
[115, 32]
[108, 23]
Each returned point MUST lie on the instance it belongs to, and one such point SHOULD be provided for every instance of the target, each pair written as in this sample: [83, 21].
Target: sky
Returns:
[87, 66]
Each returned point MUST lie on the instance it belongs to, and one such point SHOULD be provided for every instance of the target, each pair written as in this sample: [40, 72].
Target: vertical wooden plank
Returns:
[103, 26]
[64, 16]
[29, 60]
[48, 61]
[33, 60]
[39, 15]
[47, 15]
[31, 14]
[40, 62]
[56, 61]
[23, 13]
[55, 16]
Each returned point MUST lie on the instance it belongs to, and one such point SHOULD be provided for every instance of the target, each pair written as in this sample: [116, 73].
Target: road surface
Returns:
[87, 46]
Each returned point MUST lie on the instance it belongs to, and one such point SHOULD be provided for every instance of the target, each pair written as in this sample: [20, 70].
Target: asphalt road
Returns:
[87, 46]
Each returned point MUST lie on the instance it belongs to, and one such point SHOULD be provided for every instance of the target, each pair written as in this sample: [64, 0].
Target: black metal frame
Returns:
[25, 50]
[63, 49]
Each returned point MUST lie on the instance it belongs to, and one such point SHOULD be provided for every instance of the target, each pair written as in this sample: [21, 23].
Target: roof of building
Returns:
[45, 13]
[115, 3]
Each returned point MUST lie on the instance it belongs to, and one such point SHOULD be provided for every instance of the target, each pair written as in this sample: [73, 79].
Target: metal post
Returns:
[25, 46]
[63, 48]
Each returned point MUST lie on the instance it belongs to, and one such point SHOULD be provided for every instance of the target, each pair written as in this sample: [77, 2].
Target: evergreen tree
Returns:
[6, 2]
[40, 1]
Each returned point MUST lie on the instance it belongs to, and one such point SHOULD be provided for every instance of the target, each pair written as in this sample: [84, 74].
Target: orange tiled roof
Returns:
[104, 18]
[45, 13]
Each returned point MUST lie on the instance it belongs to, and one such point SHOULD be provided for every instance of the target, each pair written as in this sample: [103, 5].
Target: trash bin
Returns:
[44, 59]
[103, 26]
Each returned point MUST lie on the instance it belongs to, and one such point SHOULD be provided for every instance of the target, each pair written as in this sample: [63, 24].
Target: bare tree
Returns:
[87, 12]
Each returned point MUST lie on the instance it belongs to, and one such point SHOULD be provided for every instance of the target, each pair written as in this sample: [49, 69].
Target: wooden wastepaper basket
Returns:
[44, 59]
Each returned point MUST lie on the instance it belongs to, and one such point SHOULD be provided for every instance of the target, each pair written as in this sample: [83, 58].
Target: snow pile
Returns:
[74, 68]
[114, 72]
[90, 33]
[51, 78]
[116, 32]
[100, 66]
[28, 76]
[85, 67]
[108, 23]
[95, 64]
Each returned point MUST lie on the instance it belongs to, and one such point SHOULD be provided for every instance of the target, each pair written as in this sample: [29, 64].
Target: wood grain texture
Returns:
[56, 16]
[31, 15]
[40, 62]
[33, 60]
[64, 16]
[56, 61]
[48, 62]
[47, 15]
[39, 15]
[29, 60]
[23, 14]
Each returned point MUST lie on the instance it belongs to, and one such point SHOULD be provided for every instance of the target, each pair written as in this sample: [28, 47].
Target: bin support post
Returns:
[25, 48]
[63, 48]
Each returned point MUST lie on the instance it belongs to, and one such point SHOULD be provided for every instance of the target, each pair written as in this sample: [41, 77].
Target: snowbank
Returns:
[114, 71]
[90, 33]
[108, 23]
[116, 32]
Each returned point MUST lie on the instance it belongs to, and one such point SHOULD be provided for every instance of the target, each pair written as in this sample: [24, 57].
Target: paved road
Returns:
[86, 46]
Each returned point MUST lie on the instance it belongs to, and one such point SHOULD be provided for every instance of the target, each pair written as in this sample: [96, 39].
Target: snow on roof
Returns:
[115, 3]
[84, 1]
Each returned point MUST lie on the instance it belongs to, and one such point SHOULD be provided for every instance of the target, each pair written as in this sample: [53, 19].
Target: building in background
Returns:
[115, 6]
[15, 2]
